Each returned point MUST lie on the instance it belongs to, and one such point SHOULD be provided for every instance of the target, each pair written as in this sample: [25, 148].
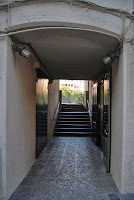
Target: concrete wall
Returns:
[117, 4]
[122, 141]
[117, 121]
[126, 5]
[18, 120]
[49, 13]
[53, 100]
[128, 119]
[3, 68]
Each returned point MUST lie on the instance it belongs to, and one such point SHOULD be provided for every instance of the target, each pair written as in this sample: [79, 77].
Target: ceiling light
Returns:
[22, 50]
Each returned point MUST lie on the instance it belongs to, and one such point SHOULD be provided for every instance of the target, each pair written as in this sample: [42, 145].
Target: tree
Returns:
[71, 96]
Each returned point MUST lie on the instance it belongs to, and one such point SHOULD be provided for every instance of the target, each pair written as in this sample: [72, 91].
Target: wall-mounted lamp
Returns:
[23, 51]
[107, 60]
[110, 57]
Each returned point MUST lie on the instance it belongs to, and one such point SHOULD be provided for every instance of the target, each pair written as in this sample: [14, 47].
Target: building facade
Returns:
[83, 40]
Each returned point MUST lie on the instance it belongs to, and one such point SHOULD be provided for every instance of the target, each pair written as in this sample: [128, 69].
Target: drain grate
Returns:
[113, 197]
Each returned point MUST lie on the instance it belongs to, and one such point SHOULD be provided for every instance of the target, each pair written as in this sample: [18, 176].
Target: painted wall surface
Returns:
[58, 14]
[117, 121]
[128, 120]
[53, 100]
[3, 68]
[21, 118]
[122, 141]
[117, 4]
[127, 4]
[41, 114]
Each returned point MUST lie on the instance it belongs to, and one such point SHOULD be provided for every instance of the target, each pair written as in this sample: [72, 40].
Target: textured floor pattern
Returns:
[69, 169]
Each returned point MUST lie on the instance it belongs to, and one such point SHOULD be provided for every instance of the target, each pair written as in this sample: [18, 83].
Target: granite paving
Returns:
[69, 168]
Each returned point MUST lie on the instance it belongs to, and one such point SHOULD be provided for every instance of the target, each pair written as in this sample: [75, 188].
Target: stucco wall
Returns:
[122, 141]
[117, 4]
[66, 14]
[117, 121]
[128, 133]
[3, 67]
[21, 118]
[53, 100]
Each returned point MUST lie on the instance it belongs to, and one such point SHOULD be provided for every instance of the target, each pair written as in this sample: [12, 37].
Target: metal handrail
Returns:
[56, 112]
[89, 111]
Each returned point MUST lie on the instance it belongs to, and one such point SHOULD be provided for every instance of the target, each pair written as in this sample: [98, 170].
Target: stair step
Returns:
[75, 130]
[73, 113]
[73, 110]
[75, 134]
[73, 122]
[73, 116]
[73, 125]
[73, 119]
[69, 104]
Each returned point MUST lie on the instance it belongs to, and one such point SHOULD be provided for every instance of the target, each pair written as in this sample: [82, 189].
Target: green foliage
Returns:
[71, 96]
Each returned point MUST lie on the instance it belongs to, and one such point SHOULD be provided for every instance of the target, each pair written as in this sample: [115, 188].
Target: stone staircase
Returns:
[73, 120]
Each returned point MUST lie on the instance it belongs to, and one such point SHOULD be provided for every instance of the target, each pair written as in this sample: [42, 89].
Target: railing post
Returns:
[60, 100]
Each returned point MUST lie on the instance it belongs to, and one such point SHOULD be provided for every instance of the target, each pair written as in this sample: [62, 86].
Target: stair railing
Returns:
[56, 112]
[89, 111]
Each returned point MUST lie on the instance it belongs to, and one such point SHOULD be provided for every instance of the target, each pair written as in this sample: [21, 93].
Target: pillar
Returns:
[53, 101]
[3, 69]
[122, 135]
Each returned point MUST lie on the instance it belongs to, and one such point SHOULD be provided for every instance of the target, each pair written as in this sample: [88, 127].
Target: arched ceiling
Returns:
[70, 53]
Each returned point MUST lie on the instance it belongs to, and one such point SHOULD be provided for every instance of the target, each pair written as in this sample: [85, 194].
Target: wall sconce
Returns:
[107, 60]
[22, 50]
[110, 57]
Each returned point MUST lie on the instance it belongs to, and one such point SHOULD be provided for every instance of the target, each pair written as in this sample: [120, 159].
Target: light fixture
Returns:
[110, 57]
[22, 50]
[107, 60]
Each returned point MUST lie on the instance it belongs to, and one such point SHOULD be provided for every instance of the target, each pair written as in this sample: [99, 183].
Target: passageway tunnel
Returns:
[71, 53]
[67, 40]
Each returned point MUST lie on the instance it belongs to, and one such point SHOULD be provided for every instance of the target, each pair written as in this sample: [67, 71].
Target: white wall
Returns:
[3, 68]
[128, 121]
[117, 4]
[117, 121]
[20, 118]
[53, 100]
[122, 141]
